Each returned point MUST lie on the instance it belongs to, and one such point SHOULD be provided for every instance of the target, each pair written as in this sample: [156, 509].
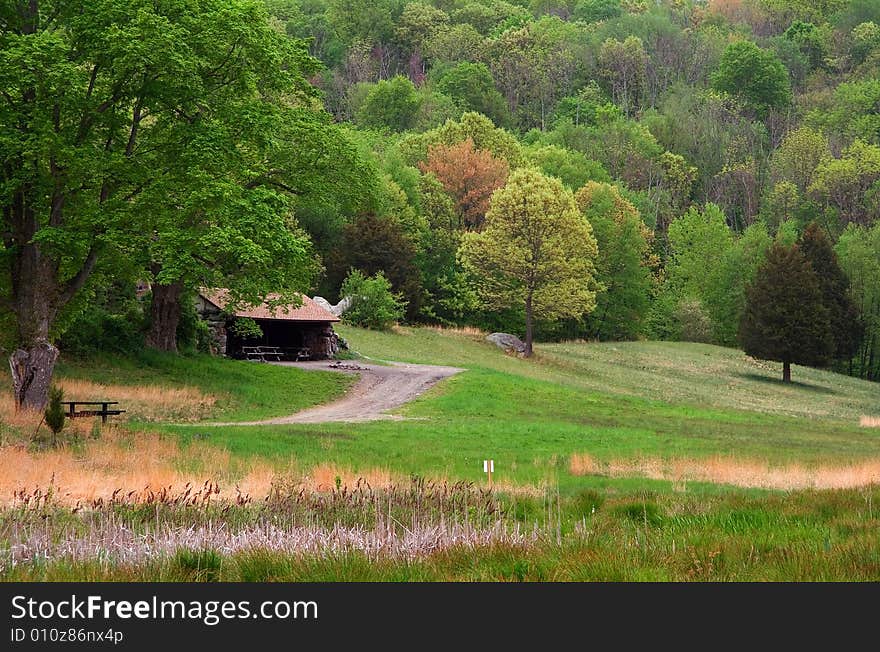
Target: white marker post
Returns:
[489, 467]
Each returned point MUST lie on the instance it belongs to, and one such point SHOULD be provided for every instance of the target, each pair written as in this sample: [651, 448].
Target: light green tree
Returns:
[536, 251]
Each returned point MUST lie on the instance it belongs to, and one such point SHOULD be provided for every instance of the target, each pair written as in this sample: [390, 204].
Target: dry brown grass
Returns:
[741, 473]
[132, 465]
[323, 477]
[469, 331]
[869, 422]
[124, 462]
[144, 402]
[140, 402]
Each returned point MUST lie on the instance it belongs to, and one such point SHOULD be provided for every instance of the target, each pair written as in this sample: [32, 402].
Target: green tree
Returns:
[536, 251]
[371, 21]
[623, 267]
[755, 76]
[850, 111]
[391, 104]
[417, 24]
[623, 67]
[798, 156]
[725, 297]
[480, 129]
[859, 252]
[373, 304]
[865, 39]
[849, 186]
[572, 168]
[591, 11]
[810, 41]
[374, 243]
[843, 314]
[785, 318]
[698, 242]
[472, 87]
[108, 108]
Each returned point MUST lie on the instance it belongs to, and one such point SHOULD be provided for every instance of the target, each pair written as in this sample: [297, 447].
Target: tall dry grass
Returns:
[124, 462]
[757, 474]
[869, 422]
[140, 402]
[470, 331]
[132, 466]
[144, 402]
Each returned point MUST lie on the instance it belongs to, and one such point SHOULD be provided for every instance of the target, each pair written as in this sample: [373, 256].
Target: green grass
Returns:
[678, 373]
[244, 390]
[615, 401]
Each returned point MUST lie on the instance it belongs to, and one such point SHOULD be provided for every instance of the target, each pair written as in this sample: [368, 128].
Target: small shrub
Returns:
[54, 414]
[373, 304]
[694, 323]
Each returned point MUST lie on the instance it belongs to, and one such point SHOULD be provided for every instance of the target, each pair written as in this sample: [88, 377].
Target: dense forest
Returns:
[278, 146]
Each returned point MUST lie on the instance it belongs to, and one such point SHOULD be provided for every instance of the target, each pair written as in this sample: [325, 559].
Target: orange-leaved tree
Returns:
[469, 175]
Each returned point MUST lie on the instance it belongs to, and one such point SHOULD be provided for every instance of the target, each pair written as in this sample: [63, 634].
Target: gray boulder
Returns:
[507, 342]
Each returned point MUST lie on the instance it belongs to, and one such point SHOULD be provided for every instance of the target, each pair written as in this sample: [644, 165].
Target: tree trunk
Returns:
[786, 372]
[164, 316]
[32, 374]
[529, 327]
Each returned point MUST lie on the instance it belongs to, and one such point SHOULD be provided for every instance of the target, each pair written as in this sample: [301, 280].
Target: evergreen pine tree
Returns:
[785, 318]
[54, 414]
[846, 325]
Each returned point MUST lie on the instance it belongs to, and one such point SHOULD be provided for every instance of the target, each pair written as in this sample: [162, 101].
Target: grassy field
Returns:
[592, 415]
[237, 390]
[636, 461]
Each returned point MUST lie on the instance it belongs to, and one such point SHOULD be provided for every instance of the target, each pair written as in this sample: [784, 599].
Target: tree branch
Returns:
[75, 284]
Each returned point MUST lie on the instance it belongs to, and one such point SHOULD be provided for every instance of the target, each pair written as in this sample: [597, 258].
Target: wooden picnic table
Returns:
[104, 412]
[262, 353]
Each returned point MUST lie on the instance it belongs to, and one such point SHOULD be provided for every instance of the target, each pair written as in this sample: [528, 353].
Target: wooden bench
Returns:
[262, 353]
[104, 412]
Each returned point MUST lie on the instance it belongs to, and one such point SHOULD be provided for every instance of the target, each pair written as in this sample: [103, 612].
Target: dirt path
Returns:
[379, 389]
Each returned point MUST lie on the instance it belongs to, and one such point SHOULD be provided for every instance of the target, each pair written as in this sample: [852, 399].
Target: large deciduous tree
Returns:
[108, 112]
[785, 317]
[391, 104]
[536, 251]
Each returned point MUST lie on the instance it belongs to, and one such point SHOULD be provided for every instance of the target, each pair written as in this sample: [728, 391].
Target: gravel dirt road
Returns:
[379, 389]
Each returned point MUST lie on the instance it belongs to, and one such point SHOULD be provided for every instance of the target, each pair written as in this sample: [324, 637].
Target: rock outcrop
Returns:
[507, 342]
